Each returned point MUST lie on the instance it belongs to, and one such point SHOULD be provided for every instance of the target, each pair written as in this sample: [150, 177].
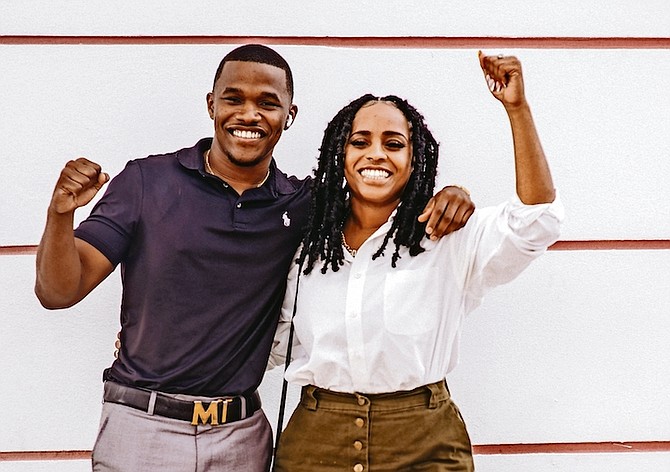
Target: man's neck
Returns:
[240, 178]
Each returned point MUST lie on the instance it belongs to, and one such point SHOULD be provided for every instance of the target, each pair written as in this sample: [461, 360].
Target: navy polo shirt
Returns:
[203, 271]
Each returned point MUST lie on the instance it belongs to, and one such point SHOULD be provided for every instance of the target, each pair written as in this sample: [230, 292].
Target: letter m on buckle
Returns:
[211, 414]
[208, 416]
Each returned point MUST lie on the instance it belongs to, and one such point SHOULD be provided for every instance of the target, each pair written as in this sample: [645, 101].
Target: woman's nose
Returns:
[375, 153]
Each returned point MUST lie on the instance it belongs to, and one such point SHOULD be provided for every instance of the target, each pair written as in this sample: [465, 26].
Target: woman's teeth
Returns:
[375, 174]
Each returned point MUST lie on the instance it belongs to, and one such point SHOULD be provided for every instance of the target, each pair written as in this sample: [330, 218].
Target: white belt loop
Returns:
[243, 407]
[152, 403]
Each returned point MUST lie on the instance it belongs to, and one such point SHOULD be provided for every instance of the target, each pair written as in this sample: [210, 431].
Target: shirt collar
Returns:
[277, 184]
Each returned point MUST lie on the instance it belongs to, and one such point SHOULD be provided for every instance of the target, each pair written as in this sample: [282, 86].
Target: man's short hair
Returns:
[262, 55]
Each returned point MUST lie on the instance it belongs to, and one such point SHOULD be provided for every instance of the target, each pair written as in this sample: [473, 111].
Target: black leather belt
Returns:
[218, 411]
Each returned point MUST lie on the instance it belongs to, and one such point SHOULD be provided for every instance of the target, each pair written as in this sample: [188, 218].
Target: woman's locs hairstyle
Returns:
[329, 207]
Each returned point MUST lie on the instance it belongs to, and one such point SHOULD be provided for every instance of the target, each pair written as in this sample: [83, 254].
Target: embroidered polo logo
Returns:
[211, 414]
[287, 220]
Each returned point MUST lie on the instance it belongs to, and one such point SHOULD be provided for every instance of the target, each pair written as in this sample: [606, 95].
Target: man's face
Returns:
[249, 105]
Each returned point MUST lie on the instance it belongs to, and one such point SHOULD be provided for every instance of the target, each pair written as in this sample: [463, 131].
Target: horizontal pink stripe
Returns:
[12, 456]
[572, 448]
[576, 245]
[624, 244]
[482, 449]
[412, 42]
[17, 250]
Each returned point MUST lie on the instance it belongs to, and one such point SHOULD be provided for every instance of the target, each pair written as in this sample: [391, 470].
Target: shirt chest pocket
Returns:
[412, 300]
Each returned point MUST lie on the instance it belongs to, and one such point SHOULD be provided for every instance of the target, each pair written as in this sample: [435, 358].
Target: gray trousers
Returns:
[131, 440]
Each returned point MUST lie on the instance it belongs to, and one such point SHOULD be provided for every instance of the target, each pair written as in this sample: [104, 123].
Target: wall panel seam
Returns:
[393, 42]
[565, 245]
[482, 449]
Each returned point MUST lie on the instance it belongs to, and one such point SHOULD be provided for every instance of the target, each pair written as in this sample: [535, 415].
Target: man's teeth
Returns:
[375, 174]
[246, 134]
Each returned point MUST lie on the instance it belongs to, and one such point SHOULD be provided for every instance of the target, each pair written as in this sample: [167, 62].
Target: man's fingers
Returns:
[452, 218]
[459, 219]
[76, 178]
[103, 178]
[85, 167]
[427, 210]
[433, 225]
[444, 211]
[443, 225]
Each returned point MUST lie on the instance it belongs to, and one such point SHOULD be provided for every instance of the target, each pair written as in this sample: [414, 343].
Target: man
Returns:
[204, 237]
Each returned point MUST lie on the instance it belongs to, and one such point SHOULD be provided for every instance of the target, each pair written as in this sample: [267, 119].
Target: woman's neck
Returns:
[364, 220]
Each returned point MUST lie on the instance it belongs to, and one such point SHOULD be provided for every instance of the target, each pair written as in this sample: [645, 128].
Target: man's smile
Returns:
[242, 134]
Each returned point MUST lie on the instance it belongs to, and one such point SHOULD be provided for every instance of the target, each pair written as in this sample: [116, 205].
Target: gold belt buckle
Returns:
[211, 414]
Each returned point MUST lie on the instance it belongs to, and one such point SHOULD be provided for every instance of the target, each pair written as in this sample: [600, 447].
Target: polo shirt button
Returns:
[357, 275]
[358, 468]
[239, 205]
[361, 401]
[360, 422]
[358, 445]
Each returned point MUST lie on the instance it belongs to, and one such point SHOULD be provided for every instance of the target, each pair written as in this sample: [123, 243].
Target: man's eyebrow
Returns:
[272, 95]
[238, 91]
[231, 90]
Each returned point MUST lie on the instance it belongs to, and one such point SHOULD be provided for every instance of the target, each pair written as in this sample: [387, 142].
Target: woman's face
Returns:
[378, 155]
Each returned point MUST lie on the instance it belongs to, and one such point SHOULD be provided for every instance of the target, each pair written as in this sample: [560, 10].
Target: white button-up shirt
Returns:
[371, 328]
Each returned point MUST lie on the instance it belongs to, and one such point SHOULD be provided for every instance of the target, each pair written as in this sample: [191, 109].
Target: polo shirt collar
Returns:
[191, 158]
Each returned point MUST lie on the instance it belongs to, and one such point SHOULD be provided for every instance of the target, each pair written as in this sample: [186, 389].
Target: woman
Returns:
[376, 333]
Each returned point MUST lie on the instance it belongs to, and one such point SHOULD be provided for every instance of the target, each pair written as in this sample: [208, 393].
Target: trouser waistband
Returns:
[430, 396]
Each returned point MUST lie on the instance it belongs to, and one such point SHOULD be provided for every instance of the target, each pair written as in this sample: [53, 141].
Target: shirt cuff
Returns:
[522, 215]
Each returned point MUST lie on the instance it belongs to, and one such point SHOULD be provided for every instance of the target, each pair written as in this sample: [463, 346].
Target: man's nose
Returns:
[249, 112]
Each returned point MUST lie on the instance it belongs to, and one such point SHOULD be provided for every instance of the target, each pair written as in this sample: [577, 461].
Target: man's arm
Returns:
[69, 268]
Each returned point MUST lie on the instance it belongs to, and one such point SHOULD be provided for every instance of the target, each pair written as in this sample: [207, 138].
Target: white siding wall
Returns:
[574, 351]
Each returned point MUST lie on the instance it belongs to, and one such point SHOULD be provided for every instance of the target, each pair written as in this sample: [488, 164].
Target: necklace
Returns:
[209, 170]
[347, 247]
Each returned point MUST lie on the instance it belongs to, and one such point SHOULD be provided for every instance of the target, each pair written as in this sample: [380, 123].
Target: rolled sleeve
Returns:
[536, 227]
[508, 238]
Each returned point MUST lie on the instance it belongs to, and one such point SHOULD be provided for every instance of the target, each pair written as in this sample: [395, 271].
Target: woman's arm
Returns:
[505, 80]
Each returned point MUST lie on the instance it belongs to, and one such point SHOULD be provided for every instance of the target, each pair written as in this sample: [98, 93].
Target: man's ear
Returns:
[292, 112]
[210, 104]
